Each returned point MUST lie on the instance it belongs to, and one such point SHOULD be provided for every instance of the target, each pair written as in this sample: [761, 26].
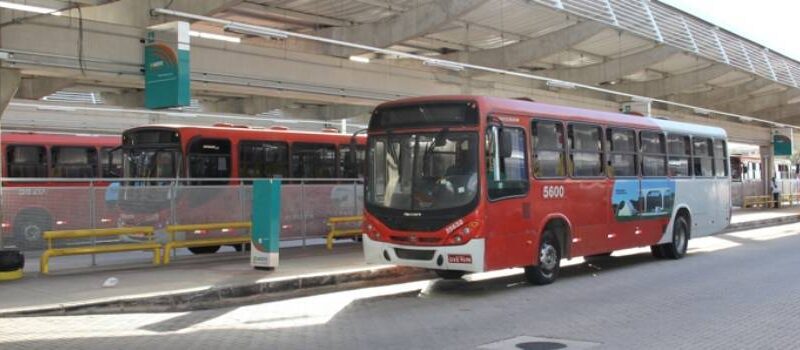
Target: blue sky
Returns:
[772, 23]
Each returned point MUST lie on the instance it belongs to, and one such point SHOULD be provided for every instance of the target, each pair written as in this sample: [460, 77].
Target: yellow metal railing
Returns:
[204, 242]
[336, 232]
[51, 236]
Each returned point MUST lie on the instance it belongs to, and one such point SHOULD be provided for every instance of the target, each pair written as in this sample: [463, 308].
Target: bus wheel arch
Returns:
[560, 227]
[679, 237]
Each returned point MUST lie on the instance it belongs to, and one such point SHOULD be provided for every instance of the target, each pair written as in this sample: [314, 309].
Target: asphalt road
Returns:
[735, 291]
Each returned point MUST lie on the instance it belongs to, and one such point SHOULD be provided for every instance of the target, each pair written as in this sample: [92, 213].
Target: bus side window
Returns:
[349, 167]
[586, 150]
[720, 159]
[74, 162]
[26, 161]
[208, 158]
[113, 168]
[507, 173]
[679, 155]
[548, 149]
[654, 155]
[703, 162]
[259, 159]
[622, 144]
[313, 160]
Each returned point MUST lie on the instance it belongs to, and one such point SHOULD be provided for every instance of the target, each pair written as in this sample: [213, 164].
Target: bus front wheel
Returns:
[546, 271]
[204, 250]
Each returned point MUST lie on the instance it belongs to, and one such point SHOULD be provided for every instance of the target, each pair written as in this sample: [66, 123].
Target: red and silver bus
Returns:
[467, 184]
[209, 163]
[45, 180]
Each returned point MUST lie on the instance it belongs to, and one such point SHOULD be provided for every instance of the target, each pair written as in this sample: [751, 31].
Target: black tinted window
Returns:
[313, 160]
[263, 159]
[74, 162]
[26, 161]
[210, 158]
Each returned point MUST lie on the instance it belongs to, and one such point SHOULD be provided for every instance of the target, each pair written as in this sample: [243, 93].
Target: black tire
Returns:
[204, 250]
[238, 247]
[680, 240]
[597, 257]
[450, 274]
[546, 270]
[11, 260]
[29, 227]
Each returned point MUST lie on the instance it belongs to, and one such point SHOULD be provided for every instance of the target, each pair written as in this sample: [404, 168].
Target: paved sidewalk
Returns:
[189, 276]
[211, 278]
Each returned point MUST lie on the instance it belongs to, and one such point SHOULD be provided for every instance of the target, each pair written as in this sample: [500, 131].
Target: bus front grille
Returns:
[414, 254]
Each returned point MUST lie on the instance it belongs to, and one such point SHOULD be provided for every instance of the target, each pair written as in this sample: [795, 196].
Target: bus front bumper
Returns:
[465, 257]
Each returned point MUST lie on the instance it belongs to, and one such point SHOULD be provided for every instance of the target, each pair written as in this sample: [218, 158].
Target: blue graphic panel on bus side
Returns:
[625, 199]
[647, 198]
[657, 197]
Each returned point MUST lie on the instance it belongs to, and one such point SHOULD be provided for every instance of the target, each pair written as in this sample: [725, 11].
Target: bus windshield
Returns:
[426, 171]
[150, 163]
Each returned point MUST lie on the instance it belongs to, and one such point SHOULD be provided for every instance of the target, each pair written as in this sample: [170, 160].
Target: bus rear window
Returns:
[425, 115]
[26, 161]
[74, 162]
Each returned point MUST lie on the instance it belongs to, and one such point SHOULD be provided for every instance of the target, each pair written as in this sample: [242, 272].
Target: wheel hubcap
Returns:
[548, 257]
[31, 232]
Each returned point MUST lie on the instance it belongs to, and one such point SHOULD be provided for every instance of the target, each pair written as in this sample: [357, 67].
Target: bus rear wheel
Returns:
[675, 249]
[680, 240]
[450, 274]
[546, 271]
[204, 250]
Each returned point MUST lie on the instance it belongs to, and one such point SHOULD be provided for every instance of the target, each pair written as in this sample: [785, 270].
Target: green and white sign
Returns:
[166, 66]
[782, 142]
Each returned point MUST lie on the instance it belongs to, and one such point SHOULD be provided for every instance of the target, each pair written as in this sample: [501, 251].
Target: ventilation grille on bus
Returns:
[414, 254]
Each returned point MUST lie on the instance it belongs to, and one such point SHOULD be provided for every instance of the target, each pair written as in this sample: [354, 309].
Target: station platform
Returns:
[197, 281]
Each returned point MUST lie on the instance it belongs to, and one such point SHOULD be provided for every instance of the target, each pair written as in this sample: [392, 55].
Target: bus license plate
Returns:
[459, 258]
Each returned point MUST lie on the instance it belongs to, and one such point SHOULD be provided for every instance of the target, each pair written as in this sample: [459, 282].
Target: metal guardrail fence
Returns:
[666, 25]
[32, 206]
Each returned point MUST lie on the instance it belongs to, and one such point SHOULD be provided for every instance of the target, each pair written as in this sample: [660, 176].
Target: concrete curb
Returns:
[231, 295]
[748, 225]
[271, 289]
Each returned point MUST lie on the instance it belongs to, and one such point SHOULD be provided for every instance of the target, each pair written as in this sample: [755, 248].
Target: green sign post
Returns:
[166, 66]
[781, 145]
[266, 224]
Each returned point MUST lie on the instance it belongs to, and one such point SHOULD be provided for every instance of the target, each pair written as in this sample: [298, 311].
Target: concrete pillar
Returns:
[9, 84]
[767, 167]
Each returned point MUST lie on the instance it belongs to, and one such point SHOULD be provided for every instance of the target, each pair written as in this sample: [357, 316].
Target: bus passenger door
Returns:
[509, 238]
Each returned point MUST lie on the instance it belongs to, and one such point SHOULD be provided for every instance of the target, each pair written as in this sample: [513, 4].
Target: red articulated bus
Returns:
[468, 184]
[210, 162]
[42, 187]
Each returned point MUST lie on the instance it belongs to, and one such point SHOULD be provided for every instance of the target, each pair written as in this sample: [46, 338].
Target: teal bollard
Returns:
[266, 224]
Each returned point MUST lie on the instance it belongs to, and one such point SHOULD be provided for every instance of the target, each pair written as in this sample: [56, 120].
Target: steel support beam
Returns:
[674, 84]
[515, 55]
[722, 95]
[614, 69]
[136, 13]
[764, 102]
[415, 22]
